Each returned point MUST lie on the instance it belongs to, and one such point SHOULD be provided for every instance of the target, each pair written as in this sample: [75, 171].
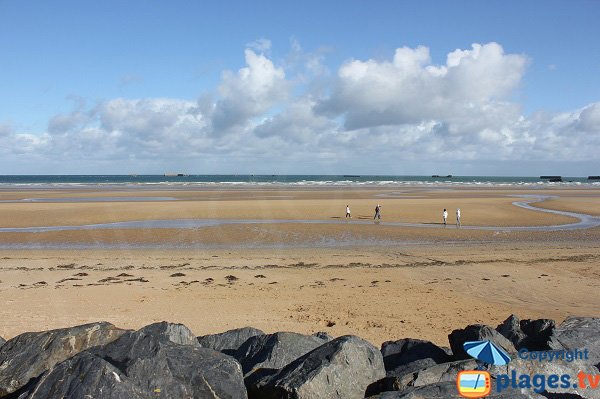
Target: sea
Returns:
[184, 180]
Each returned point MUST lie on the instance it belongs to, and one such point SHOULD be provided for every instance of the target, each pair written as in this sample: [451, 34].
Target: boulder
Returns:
[403, 351]
[447, 390]
[84, 376]
[477, 332]
[410, 367]
[275, 350]
[538, 334]
[530, 334]
[439, 373]
[322, 334]
[230, 341]
[511, 330]
[428, 375]
[155, 363]
[342, 368]
[556, 367]
[177, 333]
[28, 355]
[579, 333]
[393, 378]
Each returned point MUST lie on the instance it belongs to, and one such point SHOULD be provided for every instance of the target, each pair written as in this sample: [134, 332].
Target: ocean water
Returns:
[52, 181]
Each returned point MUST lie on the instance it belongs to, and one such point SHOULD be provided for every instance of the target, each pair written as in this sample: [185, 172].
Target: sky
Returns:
[313, 87]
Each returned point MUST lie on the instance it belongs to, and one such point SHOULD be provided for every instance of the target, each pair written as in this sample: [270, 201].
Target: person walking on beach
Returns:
[377, 212]
[445, 216]
[457, 217]
[348, 212]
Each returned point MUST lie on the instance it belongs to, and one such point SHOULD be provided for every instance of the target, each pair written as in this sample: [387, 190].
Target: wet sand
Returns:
[380, 282]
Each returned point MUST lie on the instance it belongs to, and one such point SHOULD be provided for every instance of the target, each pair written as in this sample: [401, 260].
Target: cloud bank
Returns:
[401, 115]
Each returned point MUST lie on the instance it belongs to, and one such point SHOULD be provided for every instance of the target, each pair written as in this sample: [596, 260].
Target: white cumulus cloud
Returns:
[374, 116]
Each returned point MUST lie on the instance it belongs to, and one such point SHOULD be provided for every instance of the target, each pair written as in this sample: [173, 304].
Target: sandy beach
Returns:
[378, 281]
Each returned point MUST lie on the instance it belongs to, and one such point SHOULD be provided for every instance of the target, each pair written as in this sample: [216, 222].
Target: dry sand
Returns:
[376, 281]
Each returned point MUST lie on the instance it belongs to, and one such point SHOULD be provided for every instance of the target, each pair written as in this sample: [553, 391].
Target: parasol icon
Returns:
[486, 352]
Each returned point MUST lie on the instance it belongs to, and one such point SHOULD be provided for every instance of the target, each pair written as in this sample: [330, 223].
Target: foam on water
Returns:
[124, 181]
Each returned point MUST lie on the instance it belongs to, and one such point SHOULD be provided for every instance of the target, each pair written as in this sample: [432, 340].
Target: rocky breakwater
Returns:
[165, 360]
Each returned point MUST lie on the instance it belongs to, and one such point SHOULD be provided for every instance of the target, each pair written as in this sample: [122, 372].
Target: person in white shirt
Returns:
[348, 212]
[445, 216]
[458, 217]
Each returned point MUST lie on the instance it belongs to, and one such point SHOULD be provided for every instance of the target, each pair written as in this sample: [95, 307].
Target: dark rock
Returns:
[323, 335]
[393, 378]
[579, 333]
[230, 341]
[342, 368]
[448, 351]
[538, 333]
[154, 363]
[177, 333]
[275, 350]
[447, 390]
[84, 376]
[30, 354]
[555, 367]
[2, 341]
[477, 332]
[530, 334]
[511, 330]
[439, 373]
[411, 367]
[447, 372]
[258, 378]
[403, 351]
[429, 375]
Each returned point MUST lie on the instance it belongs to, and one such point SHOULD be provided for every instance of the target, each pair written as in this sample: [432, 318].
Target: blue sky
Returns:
[63, 64]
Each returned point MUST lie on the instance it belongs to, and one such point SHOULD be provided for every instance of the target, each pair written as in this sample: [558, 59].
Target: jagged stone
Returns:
[174, 332]
[28, 355]
[538, 333]
[323, 335]
[342, 368]
[477, 332]
[556, 367]
[579, 333]
[529, 334]
[84, 376]
[511, 330]
[403, 351]
[447, 390]
[230, 341]
[393, 378]
[275, 350]
[155, 363]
